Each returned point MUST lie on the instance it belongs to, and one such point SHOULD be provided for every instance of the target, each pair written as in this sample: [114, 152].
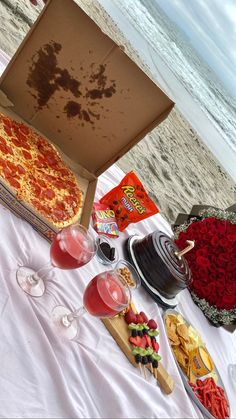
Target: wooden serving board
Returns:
[120, 332]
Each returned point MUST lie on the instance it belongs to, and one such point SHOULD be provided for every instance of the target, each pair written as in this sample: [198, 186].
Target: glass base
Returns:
[34, 289]
[66, 329]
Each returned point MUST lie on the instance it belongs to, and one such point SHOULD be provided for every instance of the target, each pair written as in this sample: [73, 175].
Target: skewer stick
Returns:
[151, 367]
[140, 369]
[145, 374]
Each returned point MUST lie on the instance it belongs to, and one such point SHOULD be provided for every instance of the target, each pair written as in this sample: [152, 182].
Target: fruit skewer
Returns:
[143, 340]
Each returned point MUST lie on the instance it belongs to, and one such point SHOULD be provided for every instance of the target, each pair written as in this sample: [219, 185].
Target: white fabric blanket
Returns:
[42, 376]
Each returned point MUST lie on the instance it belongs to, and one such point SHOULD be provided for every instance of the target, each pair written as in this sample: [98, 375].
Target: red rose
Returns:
[214, 240]
[203, 262]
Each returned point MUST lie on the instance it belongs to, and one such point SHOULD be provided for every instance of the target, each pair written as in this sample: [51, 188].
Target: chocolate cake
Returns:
[162, 269]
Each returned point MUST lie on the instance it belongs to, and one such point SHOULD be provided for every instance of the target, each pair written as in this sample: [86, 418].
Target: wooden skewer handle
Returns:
[166, 382]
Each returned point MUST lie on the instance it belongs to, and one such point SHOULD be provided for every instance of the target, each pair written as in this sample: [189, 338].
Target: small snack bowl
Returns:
[128, 274]
[107, 253]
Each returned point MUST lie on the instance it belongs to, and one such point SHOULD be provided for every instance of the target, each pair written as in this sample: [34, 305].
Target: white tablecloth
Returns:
[42, 376]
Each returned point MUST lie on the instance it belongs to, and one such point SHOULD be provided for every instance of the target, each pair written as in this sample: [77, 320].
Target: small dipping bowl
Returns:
[107, 252]
[128, 274]
[200, 362]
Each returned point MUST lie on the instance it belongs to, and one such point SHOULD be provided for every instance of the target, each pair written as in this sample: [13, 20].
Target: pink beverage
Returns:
[72, 248]
[105, 296]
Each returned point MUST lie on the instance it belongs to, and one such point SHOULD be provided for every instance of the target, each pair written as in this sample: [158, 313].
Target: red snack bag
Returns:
[104, 221]
[129, 201]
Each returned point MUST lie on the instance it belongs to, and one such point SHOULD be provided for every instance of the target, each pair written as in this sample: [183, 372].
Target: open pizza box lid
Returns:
[77, 87]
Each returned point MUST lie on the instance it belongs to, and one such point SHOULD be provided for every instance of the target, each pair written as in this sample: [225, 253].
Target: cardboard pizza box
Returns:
[77, 87]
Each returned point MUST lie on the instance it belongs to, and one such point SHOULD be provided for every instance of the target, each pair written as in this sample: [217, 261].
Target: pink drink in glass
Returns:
[72, 248]
[105, 295]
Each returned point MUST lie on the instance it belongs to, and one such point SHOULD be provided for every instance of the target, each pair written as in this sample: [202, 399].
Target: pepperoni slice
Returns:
[15, 127]
[6, 120]
[8, 130]
[64, 172]
[59, 184]
[49, 178]
[16, 141]
[26, 155]
[4, 146]
[59, 205]
[2, 140]
[42, 183]
[36, 188]
[39, 163]
[13, 182]
[21, 169]
[12, 167]
[7, 172]
[21, 137]
[2, 162]
[59, 215]
[25, 145]
[51, 160]
[9, 150]
[70, 199]
[41, 142]
[70, 183]
[24, 129]
[3, 149]
[49, 194]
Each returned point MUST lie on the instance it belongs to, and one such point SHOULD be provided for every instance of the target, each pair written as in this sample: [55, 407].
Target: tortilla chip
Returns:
[182, 331]
[181, 357]
[184, 346]
[175, 343]
[172, 318]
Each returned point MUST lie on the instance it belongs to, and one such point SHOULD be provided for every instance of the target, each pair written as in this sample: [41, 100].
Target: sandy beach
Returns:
[175, 166]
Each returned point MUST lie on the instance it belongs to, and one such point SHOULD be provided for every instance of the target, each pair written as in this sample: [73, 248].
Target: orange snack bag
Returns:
[129, 201]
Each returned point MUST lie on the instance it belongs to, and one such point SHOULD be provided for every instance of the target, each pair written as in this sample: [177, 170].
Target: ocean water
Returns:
[182, 74]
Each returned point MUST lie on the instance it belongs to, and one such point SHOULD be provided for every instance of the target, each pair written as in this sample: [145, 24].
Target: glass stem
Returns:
[77, 313]
[34, 279]
[68, 319]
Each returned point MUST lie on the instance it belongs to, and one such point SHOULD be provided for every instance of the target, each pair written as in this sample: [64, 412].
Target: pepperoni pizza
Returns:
[33, 168]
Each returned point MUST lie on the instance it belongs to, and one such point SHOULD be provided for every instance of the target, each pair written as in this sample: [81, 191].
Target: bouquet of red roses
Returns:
[213, 263]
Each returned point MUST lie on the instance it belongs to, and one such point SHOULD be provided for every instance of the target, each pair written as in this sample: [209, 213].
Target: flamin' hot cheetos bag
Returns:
[129, 201]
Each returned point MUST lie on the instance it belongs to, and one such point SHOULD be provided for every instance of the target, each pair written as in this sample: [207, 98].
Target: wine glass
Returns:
[106, 295]
[71, 248]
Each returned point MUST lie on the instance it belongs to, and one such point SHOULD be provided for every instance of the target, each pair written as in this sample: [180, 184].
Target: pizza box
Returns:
[77, 87]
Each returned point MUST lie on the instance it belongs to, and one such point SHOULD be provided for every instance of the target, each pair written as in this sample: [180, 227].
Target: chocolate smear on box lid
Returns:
[46, 77]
